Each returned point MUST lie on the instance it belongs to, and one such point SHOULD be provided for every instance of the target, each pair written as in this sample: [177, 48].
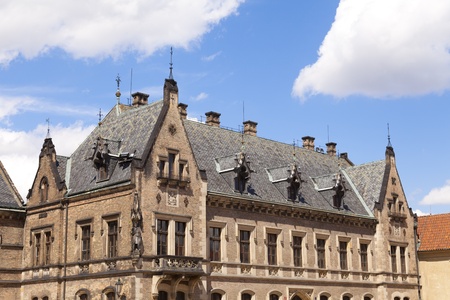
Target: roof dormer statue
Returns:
[339, 188]
[101, 158]
[294, 181]
[243, 172]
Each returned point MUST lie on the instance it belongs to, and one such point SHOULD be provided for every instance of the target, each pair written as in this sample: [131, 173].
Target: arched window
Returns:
[346, 297]
[43, 189]
[35, 298]
[296, 298]
[246, 297]
[110, 296]
[397, 298]
[162, 295]
[180, 296]
[216, 296]
[45, 298]
[274, 297]
[83, 297]
[368, 297]
[323, 297]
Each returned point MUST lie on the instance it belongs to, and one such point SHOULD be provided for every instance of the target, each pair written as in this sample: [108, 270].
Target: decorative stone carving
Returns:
[339, 188]
[137, 245]
[243, 172]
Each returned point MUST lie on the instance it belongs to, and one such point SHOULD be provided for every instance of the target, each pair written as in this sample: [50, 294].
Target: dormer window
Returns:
[43, 189]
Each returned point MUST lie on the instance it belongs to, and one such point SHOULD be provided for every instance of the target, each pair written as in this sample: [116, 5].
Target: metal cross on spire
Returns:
[171, 64]
[118, 81]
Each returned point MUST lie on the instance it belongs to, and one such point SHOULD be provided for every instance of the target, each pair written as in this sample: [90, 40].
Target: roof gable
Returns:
[126, 135]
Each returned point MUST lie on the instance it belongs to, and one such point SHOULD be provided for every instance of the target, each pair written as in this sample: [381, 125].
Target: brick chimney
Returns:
[331, 148]
[308, 142]
[139, 99]
[182, 109]
[250, 128]
[213, 118]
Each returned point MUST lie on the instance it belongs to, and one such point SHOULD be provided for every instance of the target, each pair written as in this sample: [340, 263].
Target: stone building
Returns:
[155, 206]
[434, 255]
[12, 218]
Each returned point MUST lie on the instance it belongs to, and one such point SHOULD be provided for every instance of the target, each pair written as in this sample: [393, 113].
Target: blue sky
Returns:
[336, 70]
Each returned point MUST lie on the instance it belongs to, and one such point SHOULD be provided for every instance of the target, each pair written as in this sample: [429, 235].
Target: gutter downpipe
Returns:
[419, 287]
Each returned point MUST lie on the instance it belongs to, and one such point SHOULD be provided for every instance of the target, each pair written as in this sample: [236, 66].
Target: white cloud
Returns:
[14, 105]
[212, 56]
[200, 97]
[99, 29]
[382, 49]
[439, 195]
[19, 150]
[419, 213]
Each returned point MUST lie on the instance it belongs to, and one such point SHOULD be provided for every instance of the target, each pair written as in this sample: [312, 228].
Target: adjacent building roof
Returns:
[9, 197]
[434, 232]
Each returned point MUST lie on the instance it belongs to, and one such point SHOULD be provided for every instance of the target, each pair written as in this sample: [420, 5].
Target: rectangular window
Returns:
[321, 253]
[363, 254]
[171, 164]
[403, 259]
[394, 258]
[48, 243]
[162, 164]
[162, 233]
[86, 242]
[244, 246]
[37, 249]
[297, 249]
[271, 249]
[180, 236]
[343, 255]
[112, 238]
[214, 243]
[180, 171]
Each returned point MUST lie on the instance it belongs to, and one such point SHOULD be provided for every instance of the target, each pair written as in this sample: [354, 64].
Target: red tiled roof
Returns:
[434, 232]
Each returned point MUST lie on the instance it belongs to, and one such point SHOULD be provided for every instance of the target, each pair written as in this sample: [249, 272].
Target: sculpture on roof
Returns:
[294, 181]
[243, 172]
[339, 188]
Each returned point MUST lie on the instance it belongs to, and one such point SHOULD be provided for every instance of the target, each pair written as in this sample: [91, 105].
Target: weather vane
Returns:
[118, 81]
[48, 127]
[171, 64]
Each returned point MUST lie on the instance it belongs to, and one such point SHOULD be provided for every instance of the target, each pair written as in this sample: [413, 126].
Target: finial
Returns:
[293, 146]
[389, 136]
[118, 88]
[118, 81]
[48, 128]
[100, 115]
[171, 64]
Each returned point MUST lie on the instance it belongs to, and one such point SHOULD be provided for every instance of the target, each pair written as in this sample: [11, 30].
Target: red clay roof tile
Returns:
[434, 232]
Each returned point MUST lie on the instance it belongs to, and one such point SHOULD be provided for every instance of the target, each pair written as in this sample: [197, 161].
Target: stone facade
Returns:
[154, 206]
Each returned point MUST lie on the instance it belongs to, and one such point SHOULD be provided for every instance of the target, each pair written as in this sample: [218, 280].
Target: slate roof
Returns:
[434, 232]
[128, 132]
[9, 197]
[216, 149]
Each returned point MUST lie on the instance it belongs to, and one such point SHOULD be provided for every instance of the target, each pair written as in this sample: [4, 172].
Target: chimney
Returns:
[213, 118]
[182, 109]
[308, 142]
[139, 99]
[331, 148]
[250, 128]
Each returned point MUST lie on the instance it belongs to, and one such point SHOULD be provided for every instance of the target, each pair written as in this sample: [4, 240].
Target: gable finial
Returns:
[389, 136]
[171, 64]
[48, 128]
[293, 152]
[100, 115]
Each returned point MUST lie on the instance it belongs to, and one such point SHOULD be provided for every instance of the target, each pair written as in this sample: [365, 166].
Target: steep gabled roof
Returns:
[215, 150]
[125, 133]
[9, 197]
[434, 232]
[368, 180]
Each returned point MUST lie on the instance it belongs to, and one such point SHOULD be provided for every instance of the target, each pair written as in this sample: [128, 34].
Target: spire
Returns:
[48, 128]
[389, 149]
[118, 94]
[389, 137]
[171, 64]
[100, 115]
